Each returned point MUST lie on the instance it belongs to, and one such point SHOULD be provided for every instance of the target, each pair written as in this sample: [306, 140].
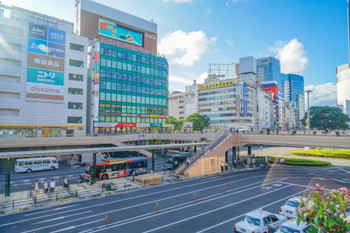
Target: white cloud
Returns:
[227, 3]
[179, 79]
[230, 43]
[178, 1]
[292, 56]
[201, 78]
[322, 95]
[185, 48]
[209, 11]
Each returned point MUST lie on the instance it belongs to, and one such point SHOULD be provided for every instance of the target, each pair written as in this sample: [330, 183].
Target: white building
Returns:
[343, 88]
[42, 76]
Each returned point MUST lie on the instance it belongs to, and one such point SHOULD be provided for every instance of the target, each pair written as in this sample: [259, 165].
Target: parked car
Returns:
[291, 226]
[289, 209]
[259, 221]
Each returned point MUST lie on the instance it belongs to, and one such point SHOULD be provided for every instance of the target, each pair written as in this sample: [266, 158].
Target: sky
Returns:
[308, 36]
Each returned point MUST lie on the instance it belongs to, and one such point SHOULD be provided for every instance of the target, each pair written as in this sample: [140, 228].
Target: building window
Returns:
[72, 105]
[76, 47]
[78, 120]
[76, 63]
[75, 91]
[76, 77]
[11, 30]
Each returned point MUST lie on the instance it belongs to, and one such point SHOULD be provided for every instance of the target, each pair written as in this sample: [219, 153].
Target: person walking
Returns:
[52, 186]
[222, 166]
[36, 187]
[46, 186]
[188, 162]
[80, 180]
[226, 166]
[65, 182]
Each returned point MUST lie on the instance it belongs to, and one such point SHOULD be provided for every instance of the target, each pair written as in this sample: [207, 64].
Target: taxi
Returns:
[291, 226]
[289, 209]
[259, 221]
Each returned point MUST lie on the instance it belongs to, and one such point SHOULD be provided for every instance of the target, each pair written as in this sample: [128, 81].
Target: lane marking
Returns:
[62, 217]
[64, 229]
[229, 220]
[59, 208]
[344, 170]
[341, 181]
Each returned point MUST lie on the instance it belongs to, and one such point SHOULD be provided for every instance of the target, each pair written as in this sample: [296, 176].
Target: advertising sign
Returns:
[57, 36]
[118, 32]
[245, 96]
[37, 31]
[35, 75]
[44, 91]
[37, 46]
[56, 50]
[45, 62]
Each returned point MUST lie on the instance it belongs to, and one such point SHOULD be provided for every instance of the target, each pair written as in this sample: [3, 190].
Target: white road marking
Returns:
[59, 208]
[229, 220]
[70, 175]
[26, 180]
[62, 217]
[344, 170]
[341, 181]
[56, 177]
[64, 229]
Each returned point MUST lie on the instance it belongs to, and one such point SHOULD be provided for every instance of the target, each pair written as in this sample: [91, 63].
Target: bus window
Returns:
[28, 163]
[54, 161]
[46, 161]
[21, 163]
[108, 168]
[37, 162]
[102, 168]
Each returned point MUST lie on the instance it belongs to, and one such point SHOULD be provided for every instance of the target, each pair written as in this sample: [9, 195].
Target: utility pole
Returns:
[308, 91]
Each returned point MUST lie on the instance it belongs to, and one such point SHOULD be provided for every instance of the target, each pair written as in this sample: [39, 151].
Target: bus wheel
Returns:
[52, 168]
[29, 170]
[104, 177]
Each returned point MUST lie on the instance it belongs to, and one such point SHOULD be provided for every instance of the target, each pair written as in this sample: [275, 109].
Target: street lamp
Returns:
[308, 91]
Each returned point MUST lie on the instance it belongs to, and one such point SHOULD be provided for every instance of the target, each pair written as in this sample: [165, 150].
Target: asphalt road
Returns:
[213, 211]
[25, 181]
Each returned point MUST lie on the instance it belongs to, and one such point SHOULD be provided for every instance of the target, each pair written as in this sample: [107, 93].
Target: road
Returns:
[25, 181]
[213, 211]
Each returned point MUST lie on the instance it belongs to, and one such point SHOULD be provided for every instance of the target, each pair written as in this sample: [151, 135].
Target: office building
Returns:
[343, 88]
[293, 87]
[127, 79]
[268, 69]
[43, 76]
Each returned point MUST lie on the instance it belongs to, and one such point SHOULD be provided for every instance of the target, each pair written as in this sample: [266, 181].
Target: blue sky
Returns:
[308, 36]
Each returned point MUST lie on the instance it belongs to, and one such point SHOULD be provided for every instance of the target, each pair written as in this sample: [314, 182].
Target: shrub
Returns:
[300, 162]
[324, 152]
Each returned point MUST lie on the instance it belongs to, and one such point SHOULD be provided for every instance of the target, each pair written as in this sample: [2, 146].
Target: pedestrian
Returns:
[52, 186]
[222, 166]
[164, 168]
[226, 166]
[80, 180]
[65, 182]
[188, 162]
[46, 186]
[36, 187]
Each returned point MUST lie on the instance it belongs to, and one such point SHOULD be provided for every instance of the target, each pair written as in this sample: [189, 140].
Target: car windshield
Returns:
[285, 229]
[251, 220]
[293, 203]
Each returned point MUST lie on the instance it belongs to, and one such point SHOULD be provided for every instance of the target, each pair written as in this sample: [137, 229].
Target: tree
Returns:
[177, 124]
[199, 121]
[326, 211]
[325, 117]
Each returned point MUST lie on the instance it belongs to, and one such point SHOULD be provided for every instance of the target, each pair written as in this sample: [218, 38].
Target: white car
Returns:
[291, 226]
[289, 209]
[259, 221]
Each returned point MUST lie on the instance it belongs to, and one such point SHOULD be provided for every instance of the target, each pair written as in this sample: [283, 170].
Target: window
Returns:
[267, 221]
[76, 77]
[274, 218]
[28, 163]
[21, 163]
[76, 63]
[75, 91]
[78, 120]
[46, 161]
[76, 47]
[38, 162]
[72, 105]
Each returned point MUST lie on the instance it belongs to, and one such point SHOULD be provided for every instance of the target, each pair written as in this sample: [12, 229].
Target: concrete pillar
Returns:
[249, 150]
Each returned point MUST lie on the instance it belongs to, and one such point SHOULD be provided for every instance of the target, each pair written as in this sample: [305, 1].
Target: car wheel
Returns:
[29, 170]
[52, 168]
[104, 177]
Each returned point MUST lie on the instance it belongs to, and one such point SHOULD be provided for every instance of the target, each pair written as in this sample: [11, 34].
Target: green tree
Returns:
[325, 117]
[199, 121]
[326, 211]
[177, 124]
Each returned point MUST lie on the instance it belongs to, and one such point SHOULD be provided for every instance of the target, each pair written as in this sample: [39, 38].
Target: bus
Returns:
[114, 168]
[174, 160]
[36, 164]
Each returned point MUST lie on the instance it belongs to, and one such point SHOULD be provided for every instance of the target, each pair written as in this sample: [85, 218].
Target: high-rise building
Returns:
[348, 30]
[268, 69]
[293, 88]
[343, 87]
[43, 76]
[128, 81]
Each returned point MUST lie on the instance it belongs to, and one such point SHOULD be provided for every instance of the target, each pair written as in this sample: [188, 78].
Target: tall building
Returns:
[268, 69]
[293, 86]
[43, 76]
[343, 87]
[127, 80]
[348, 30]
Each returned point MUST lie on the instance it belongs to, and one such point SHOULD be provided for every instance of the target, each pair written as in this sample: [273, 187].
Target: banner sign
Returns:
[118, 32]
[245, 96]
[37, 46]
[44, 91]
[37, 31]
[35, 75]
[45, 62]
[56, 50]
[57, 36]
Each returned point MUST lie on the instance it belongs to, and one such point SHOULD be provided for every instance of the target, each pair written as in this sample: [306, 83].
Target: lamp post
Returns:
[308, 91]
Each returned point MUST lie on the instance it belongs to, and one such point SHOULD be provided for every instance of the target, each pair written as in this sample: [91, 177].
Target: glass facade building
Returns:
[294, 92]
[268, 69]
[133, 90]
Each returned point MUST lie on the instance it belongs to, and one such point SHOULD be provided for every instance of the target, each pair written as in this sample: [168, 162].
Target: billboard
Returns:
[45, 72]
[117, 32]
[245, 95]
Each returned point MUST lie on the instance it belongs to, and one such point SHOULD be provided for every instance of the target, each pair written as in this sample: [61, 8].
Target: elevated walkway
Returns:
[115, 141]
